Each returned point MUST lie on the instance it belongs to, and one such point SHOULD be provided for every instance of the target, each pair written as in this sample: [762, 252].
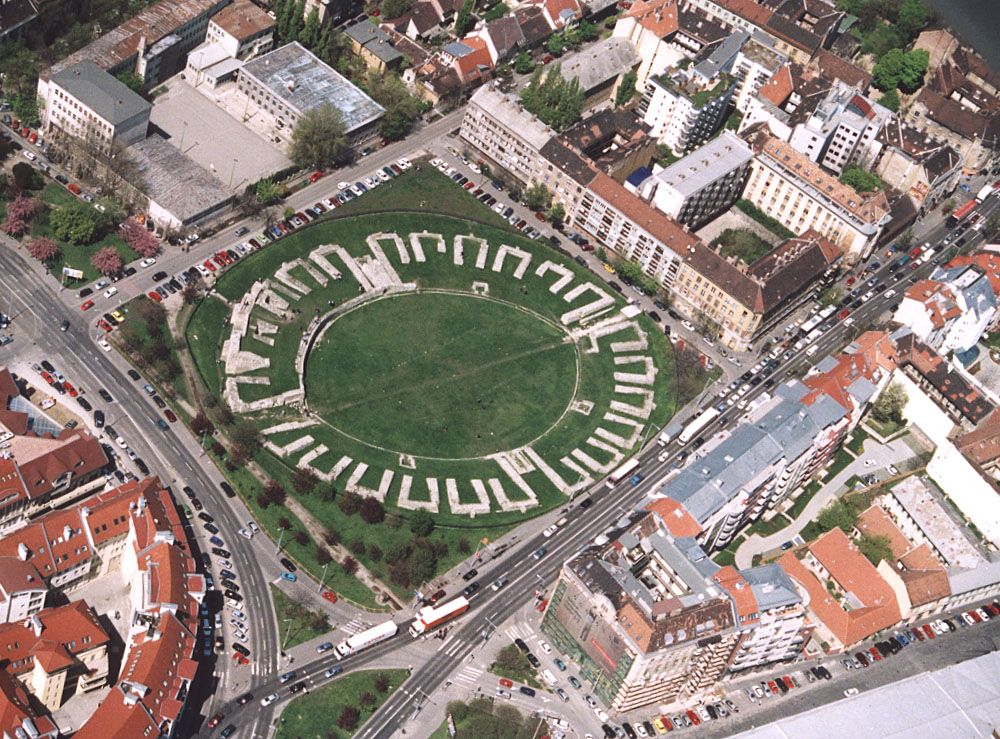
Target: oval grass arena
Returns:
[443, 375]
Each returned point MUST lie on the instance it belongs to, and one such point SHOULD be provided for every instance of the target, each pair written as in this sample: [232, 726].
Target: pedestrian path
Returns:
[469, 676]
[521, 631]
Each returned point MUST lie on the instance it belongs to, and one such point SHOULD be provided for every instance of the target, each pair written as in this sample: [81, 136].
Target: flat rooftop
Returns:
[102, 93]
[304, 82]
[705, 165]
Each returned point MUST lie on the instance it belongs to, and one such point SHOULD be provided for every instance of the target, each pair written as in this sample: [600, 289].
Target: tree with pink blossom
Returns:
[107, 261]
[43, 249]
[22, 208]
[141, 240]
[13, 226]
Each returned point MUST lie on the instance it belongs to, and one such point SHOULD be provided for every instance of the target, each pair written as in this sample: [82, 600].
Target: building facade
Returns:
[242, 29]
[683, 110]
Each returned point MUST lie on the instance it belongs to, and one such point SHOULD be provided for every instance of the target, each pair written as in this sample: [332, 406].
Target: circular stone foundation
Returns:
[442, 375]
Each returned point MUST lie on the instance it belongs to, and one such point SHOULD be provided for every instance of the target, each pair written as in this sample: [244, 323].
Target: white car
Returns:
[29, 154]
[545, 647]
[687, 325]
[436, 162]
[203, 271]
[549, 531]
[111, 292]
[240, 636]
[851, 691]
[147, 262]
[475, 168]
[403, 162]
[269, 699]
[121, 442]
[328, 203]
[499, 207]
[343, 185]
[371, 183]
[225, 564]
[253, 527]
[104, 345]
[869, 463]
[383, 176]
[239, 614]
[245, 534]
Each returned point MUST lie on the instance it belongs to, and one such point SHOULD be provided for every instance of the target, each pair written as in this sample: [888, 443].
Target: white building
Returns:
[649, 26]
[684, 109]
[842, 130]
[951, 310]
[704, 183]
[85, 102]
[755, 64]
[22, 590]
[242, 29]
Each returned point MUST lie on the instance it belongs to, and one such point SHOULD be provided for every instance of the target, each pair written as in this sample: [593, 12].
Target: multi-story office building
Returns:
[85, 102]
[842, 130]
[801, 196]
[703, 184]
[242, 29]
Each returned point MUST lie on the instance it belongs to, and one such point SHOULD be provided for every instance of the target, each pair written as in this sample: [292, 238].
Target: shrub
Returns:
[349, 503]
[372, 510]
[350, 565]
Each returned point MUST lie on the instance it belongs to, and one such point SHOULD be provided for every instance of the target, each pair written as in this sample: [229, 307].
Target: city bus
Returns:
[961, 213]
[622, 472]
[699, 423]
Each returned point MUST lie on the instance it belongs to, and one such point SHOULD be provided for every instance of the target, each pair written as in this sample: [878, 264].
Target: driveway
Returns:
[884, 454]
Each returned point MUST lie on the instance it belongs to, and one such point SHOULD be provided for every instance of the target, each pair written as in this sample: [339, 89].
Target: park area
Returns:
[446, 386]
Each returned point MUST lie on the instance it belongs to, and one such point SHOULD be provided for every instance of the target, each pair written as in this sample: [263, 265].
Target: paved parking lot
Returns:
[213, 138]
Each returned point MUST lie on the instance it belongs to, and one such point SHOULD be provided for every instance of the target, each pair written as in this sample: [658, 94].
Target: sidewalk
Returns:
[884, 454]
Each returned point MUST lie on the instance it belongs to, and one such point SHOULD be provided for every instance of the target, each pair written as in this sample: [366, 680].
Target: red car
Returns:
[929, 631]
[154, 296]
[788, 682]
[843, 314]
[102, 324]
[210, 266]
[74, 188]
[918, 633]
[87, 305]
[240, 659]
[70, 389]
[851, 280]
[219, 260]
[25, 131]
[215, 720]
[694, 717]
[587, 247]
[316, 175]
[540, 216]
[170, 415]
[876, 655]
[775, 690]
[48, 378]
[541, 605]
[506, 683]
[469, 185]
[975, 617]
[330, 596]
[915, 252]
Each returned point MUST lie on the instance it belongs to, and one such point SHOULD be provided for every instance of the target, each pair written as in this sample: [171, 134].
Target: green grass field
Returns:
[315, 714]
[443, 375]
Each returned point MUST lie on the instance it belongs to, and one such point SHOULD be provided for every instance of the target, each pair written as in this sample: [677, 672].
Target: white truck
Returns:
[365, 639]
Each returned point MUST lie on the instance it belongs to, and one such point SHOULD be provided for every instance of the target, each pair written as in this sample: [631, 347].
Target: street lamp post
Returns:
[288, 633]
[323, 578]
[281, 534]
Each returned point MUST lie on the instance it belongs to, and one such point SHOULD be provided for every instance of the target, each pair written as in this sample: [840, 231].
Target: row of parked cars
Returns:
[665, 724]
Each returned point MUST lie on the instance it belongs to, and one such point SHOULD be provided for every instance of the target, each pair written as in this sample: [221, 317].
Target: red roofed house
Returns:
[848, 598]
[469, 57]
[17, 714]
[57, 652]
[674, 517]
[22, 590]
[561, 13]
[649, 25]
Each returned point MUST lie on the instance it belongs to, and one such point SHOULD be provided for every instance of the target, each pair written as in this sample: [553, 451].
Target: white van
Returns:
[812, 350]
[549, 677]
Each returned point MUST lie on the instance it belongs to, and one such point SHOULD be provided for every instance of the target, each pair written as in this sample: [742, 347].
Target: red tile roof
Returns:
[675, 517]
[15, 709]
[66, 630]
[470, 66]
[874, 604]
[17, 575]
[987, 261]
[739, 590]
[656, 16]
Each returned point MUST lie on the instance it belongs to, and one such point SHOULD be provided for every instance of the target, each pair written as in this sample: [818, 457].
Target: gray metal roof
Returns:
[961, 700]
[771, 586]
[304, 82]
[601, 62]
[102, 93]
[721, 58]
[703, 166]
[174, 181]
[506, 110]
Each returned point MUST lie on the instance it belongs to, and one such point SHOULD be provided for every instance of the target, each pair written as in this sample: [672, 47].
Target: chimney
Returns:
[36, 625]
[142, 46]
[67, 532]
[23, 552]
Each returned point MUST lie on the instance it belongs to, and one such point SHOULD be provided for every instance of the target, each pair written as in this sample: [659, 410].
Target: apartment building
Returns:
[951, 309]
[649, 25]
[755, 64]
[925, 169]
[842, 130]
[85, 102]
[849, 600]
[153, 44]
[242, 29]
[703, 184]
[22, 590]
[683, 109]
[801, 196]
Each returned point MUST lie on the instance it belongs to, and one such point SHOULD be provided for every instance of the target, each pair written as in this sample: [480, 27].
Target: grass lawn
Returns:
[314, 715]
[840, 460]
[885, 430]
[857, 442]
[803, 500]
[444, 376]
[303, 624]
[520, 672]
[743, 244]
[202, 334]
[771, 224]
[767, 528]
[728, 555]
[75, 257]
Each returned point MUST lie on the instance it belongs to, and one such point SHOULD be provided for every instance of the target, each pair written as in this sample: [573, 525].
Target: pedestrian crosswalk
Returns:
[469, 676]
[521, 631]
[355, 626]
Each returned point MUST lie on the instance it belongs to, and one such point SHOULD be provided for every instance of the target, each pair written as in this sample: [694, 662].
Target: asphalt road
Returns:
[173, 455]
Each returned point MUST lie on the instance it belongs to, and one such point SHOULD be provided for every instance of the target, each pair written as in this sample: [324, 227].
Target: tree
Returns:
[309, 35]
[349, 565]
[422, 523]
[875, 548]
[890, 100]
[626, 90]
[301, 538]
[304, 479]
[323, 555]
[191, 293]
[511, 659]
[394, 8]
[132, 81]
[268, 192]
[297, 19]
[348, 718]
[142, 241]
[422, 565]
[888, 407]
[557, 214]
[837, 515]
[523, 64]
[401, 106]
[463, 19]
[914, 68]
[245, 436]
[24, 176]
[382, 683]
[13, 226]
[43, 249]
[913, 17]
[349, 503]
[319, 139]
[201, 424]
[372, 510]
[75, 223]
[900, 69]
[274, 492]
[537, 196]
[556, 44]
[107, 261]
[860, 179]
[830, 296]
[23, 208]
[556, 101]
